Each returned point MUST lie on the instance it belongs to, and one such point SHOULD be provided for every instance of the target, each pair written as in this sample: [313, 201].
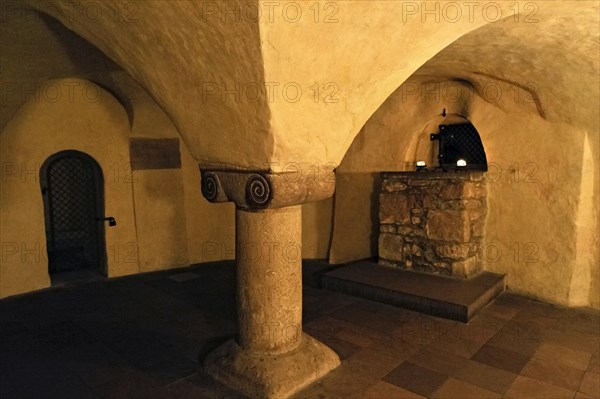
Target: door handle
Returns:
[111, 221]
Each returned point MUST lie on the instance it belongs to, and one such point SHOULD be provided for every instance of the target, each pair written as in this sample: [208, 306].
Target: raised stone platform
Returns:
[451, 298]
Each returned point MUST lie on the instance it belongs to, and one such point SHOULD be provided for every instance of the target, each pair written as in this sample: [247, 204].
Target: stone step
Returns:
[446, 297]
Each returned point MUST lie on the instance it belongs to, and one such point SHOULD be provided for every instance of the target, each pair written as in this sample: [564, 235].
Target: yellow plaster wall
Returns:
[97, 127]
[160, 219]
[210, 227]
[316, 229]
[158, 194]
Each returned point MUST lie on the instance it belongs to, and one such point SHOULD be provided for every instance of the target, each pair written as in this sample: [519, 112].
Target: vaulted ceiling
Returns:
[297, 83]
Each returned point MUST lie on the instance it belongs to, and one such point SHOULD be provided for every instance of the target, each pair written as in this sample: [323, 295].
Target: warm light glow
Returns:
[421, 164]
[461, 162]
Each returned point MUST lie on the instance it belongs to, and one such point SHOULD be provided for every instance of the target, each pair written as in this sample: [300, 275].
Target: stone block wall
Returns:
[433, 221]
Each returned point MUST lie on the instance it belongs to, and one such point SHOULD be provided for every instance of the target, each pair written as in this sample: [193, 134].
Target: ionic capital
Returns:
[255, 190]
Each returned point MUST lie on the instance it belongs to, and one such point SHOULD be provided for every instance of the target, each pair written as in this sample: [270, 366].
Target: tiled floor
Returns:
[142, 336]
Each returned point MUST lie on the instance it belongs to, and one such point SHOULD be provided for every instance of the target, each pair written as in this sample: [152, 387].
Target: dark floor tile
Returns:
[436, 360]
[327, 301]
[309, 314]
[424, 330]
[10, 327]
[383, 390]
[47, 379]
[465, 340]
[521, 337]
[594, 365]
[374, 363]
[554, 373]
[529, 388]
[573, 339]
[512, 300]
[6, 387]
[399, 349]
[545, 309]
[454, 388]
[348, 380]
[501, 358]
[486, 376]
[355, 336]
[131, 384]
[20, 351]
[343, 348]
[416, 379]
[370, 320]
[201, 385]
[549, 352]
[63, 336]
[171, 370]
[141, 350]
[389, 311]
[95, 364]
[202, 347]
[590, 384]
[331, 326]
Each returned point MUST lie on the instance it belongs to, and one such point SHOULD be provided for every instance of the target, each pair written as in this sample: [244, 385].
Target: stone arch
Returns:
[421, 147]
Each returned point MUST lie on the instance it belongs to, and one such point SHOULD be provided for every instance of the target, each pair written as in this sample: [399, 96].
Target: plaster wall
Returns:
[40, 128]
[160, 219]
[210, 227]
[317, 219]
[534, 231]
[158, 194]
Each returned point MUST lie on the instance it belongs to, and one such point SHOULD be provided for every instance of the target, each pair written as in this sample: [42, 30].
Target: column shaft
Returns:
[269, 279]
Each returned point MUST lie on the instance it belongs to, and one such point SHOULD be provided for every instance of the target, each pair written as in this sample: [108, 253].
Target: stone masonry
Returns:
[433, 221]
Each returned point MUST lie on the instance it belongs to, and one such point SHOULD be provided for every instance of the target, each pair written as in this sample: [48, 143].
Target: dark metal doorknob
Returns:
[111, 221]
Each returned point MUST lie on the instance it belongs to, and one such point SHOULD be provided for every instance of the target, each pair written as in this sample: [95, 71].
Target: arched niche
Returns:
[84, 118]
[453, 137]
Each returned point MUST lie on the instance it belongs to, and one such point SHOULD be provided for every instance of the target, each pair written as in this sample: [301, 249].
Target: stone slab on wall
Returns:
[154, 153]
[433, 221]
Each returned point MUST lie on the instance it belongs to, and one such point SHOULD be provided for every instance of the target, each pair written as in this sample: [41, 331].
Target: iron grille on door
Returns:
[73, 200]
[461, 142]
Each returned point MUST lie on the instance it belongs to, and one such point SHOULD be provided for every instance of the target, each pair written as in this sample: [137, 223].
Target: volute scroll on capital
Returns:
[257, 190]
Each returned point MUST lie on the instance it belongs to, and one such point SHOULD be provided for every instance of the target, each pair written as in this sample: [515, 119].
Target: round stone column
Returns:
[269, 279]
[270, 357]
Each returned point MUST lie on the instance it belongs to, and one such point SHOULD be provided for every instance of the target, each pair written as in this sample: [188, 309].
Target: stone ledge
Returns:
[262, 376]
[435, 174]
[450, 298]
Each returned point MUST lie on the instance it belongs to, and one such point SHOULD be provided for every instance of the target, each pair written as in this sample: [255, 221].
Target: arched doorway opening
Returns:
[73, 193]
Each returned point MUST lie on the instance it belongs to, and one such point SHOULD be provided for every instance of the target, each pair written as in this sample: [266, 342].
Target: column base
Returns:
[271, 376]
